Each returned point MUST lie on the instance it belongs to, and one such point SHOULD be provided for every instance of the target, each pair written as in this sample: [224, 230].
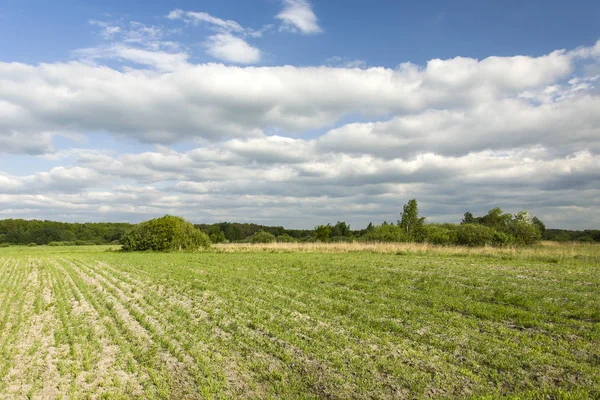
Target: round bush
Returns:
[261, 237]
[168, 233]
[285, 238]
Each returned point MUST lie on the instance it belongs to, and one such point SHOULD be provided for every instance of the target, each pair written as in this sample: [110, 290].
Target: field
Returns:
[292, 321]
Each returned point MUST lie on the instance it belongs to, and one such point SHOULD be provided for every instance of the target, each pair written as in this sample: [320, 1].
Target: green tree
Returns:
[322, 232]
[385, 233]
[468, 218]
[524, 230]
[410, 222]
[496, 219]
[341, 229]
[539, 224]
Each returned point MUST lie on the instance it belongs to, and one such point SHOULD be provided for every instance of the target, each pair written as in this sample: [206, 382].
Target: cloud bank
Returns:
[305, 145]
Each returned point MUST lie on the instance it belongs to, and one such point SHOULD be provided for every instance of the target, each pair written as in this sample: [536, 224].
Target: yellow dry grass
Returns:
[543, 249]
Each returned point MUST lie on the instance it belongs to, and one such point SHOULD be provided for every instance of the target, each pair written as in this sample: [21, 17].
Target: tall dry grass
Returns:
[547, 251]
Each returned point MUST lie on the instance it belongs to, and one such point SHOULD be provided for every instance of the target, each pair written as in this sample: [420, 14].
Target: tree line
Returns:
[35, 232]
[496, 228]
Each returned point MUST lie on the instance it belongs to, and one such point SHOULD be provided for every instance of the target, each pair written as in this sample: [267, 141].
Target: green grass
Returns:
[283, 322]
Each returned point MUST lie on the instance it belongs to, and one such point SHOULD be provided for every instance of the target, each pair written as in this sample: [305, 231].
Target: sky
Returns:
[298, 112]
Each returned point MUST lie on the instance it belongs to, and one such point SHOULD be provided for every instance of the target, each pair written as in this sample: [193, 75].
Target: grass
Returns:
[301, 321]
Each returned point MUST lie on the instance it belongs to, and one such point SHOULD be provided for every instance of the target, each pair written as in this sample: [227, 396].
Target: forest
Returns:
[496, 228]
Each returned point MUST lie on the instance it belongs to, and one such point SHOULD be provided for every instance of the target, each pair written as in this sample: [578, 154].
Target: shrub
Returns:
[437, 234]
[501, 239]
[56, 244]
[261, 237]
[218, 237]
[31, 244]
[585, 239]
[285, 238]
[474, 235]
[168, 233]
[4, 245]
[385, 233]
[525, 233]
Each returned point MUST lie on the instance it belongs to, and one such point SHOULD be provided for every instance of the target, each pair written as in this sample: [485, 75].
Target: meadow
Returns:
[301, 321]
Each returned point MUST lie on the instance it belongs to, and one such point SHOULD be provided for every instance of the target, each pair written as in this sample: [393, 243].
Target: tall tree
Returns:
[468, 218]
[410, 221]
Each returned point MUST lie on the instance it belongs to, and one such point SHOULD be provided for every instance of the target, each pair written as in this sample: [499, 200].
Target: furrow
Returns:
[103, 365]
[151, 370]
[153, 321]
[12, 326]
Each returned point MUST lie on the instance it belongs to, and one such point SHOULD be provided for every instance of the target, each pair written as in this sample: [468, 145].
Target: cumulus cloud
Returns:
[242, 180]
[458, 134]
[298, 16]
[215, 101]
[57, 180]
[230, 48]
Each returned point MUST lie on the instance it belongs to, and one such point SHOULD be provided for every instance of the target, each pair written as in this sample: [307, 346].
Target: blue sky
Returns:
[271, 111]
[383, 33]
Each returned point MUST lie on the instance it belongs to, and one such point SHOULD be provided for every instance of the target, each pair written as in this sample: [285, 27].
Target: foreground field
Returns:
[293, 322]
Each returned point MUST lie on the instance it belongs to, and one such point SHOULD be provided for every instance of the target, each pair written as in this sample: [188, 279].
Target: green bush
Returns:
[261, 237]
[168, 233]
[501, 239]
[4, 245]
[218, 237]
[285, 238]
[474, 235]
[525, 233]
[385, 233]
[56, 244]
[436, 234]
[31, 244]
[586, 239]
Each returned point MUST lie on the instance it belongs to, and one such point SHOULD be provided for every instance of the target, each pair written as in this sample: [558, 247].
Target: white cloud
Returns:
[230, 48]
[458, 134]
[159, 60]
[108, 31]
[137, 43]
[229, 43]
[297, 15]
[318, 187]
[215, 101]
[198, 17]
[58, 180]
